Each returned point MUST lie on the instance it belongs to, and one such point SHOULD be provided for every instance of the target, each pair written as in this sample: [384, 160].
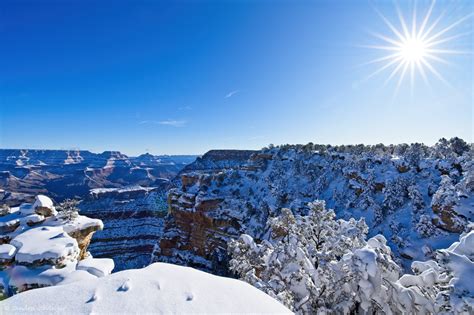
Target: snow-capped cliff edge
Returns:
[39, 248]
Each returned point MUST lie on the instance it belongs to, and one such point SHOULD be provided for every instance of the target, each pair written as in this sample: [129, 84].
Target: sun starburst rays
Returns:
[414, 49]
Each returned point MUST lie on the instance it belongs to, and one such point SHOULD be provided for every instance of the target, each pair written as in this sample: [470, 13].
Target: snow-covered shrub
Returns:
[466, 186]
[446, 195]
[415, 153]
[443, 285]
[416, 198]
[425, 226]
[458, 146]
[68, 209]
[373, 272]
[315, 263]
[443, 203]
[4, 209]
[395, 192]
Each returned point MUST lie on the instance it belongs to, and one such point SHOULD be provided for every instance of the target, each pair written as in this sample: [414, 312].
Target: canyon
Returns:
[126, 193]
[73, 173]
[187, 208]
[420, 198]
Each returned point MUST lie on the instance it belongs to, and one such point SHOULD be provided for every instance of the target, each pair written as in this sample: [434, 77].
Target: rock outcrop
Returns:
[196, 226]
[40, 249]
[219, 159]
[199, 221]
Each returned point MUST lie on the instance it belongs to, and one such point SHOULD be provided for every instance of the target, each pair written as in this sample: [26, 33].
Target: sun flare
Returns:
[415, 48]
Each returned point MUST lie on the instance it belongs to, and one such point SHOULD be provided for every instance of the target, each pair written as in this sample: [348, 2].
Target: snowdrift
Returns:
[159, 289]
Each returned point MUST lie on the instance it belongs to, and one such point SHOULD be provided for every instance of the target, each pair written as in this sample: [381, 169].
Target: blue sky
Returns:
[186, 77]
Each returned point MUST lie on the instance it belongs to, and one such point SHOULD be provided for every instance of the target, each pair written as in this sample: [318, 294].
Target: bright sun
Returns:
[415, 48]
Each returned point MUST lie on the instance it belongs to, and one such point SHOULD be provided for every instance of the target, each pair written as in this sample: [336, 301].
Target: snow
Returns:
[159, 289]
[43, 201]
[461, 264]
[34, 218]
[25, 277]
[465, 246]
[81, 223]
[99, 267]
[130, 188]
[5, 225]
[27, 208]
[42, 248]
[444, 285]
[368, 259]
[463, 270]
[7, 251]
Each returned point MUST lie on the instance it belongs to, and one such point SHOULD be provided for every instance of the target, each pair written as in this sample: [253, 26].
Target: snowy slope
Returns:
[159, 289]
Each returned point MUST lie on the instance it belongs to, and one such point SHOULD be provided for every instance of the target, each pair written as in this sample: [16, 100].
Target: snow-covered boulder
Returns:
[26, 209]
[38, 250]
[34, 218]
[43, 251]
[157, 289]
[7, 252]
[8, 226]
[44, 206]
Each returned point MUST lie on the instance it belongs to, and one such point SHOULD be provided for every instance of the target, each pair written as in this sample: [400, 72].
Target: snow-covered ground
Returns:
[131, 188]
[157, 289]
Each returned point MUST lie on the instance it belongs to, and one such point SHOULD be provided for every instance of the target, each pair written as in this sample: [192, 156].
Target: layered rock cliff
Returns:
[219, 160]
[419, 197]
[133, 217]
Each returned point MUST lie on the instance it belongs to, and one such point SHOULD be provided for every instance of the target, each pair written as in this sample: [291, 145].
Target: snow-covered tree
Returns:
[315, 263]
[446, 195]
[68, 210]
[4, 209]
[458, 146]
[416, 198]
[443, 203]
[414, 154]
[395, 192]
[441, 150]
[425, 226]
